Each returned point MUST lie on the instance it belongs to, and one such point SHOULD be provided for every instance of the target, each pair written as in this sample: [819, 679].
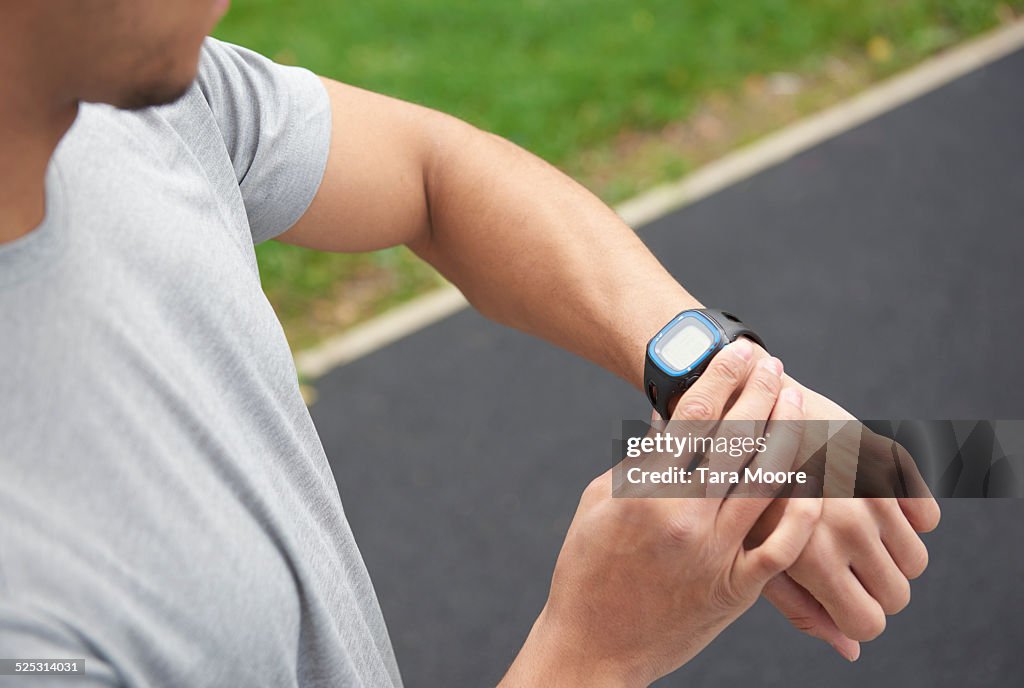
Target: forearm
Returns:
[531, 248]
[528, 246]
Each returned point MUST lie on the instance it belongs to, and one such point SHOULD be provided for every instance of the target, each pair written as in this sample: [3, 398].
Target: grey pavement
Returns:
[883, 266]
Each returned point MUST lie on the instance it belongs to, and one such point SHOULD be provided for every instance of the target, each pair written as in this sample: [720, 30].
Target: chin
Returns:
[149, 96]
[159, 81]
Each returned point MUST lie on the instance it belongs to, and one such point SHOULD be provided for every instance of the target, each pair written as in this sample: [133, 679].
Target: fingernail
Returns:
[772, 365]
[848, 655]
[743, 348]
[794, 396]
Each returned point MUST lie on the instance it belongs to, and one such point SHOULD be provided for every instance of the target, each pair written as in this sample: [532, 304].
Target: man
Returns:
[168, 511]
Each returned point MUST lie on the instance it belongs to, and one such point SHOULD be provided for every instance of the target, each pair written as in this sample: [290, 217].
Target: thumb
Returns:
[807, 615]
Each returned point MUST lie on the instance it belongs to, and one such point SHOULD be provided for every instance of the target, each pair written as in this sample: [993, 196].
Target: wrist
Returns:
[680, 352]
[553, 656]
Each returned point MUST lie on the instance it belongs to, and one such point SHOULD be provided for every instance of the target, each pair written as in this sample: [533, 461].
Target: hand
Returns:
[643, 584]
[857, 566]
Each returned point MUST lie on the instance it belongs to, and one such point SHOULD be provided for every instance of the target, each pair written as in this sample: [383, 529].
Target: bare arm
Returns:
[527, 245]
[533, 249]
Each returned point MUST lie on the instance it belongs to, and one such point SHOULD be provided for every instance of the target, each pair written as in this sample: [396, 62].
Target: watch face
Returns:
[684, 344]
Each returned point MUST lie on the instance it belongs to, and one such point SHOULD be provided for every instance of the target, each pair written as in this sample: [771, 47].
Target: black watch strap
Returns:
[733, 326]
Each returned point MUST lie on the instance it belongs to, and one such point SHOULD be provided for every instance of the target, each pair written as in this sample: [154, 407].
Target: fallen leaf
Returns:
[879, 49]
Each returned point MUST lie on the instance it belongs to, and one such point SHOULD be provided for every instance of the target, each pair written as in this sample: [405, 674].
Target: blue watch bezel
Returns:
[671, 371]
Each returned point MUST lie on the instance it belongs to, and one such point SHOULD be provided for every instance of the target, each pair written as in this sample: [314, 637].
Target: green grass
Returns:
[562, 77]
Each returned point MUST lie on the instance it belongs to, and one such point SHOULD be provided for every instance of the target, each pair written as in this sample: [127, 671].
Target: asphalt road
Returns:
[882, 266]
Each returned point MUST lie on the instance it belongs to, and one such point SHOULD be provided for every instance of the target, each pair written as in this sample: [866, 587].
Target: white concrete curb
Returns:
[659, 201]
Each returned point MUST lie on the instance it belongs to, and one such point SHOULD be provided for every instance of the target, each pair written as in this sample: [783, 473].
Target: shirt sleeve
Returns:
[276, 124]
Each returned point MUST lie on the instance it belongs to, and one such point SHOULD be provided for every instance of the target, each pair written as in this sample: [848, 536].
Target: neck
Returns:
[27, 142]
[34, 115]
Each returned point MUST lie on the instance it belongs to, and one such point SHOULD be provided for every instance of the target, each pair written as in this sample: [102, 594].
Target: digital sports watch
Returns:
[682, 350]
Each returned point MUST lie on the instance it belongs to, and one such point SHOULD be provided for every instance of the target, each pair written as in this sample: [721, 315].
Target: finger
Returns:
[857, 614]
[922, 512]
[656, 460]
[881, 578]
[782, 548]
[807, 615]
[706, 399]
[918, 505]
[760, 392]
[902, 541]
[741, 510]
[745, 421]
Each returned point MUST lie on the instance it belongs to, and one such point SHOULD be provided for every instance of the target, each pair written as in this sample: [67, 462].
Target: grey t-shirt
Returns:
[166, 508]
